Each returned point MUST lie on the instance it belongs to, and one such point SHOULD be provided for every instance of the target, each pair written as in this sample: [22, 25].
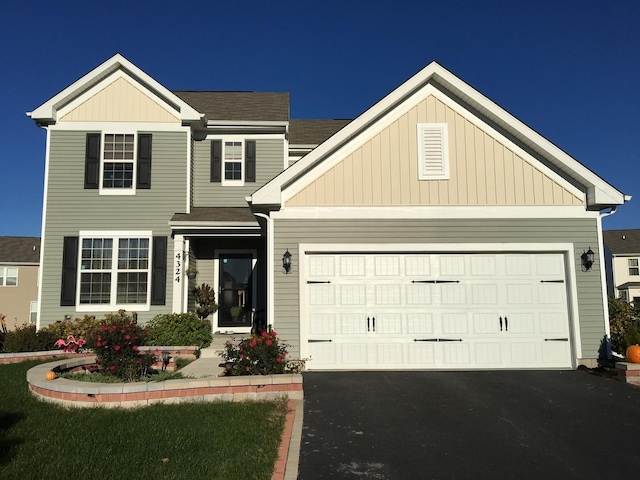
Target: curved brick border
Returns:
[128, 395]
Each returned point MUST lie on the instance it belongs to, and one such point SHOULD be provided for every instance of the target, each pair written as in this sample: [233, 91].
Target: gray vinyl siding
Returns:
[70, 208]
[270, 156]
[582, 233]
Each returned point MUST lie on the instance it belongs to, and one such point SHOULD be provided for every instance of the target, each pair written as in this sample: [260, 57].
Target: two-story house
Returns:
[19, 260]
[622, 256]
[435, 230]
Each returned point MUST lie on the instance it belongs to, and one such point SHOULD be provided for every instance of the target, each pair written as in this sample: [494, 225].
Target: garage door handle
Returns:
[435, 281]
[374, 324]
[368, 324]
[551, 281]
[506, 324]
[437, 339]
[500, 323]
[317, 281]
[319, 341]
[556, 339]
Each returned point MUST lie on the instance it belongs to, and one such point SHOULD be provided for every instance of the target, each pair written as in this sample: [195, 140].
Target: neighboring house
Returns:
[433, 231]
[622, 249]
[19, 260]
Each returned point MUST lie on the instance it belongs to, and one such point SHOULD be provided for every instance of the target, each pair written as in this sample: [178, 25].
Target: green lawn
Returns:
[192, 441]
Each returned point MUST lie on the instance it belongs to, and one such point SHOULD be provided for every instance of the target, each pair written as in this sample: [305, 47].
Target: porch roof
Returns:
[215, 217]
[628, 285]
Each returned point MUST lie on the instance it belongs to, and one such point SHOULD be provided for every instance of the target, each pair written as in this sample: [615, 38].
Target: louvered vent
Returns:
[433, 155]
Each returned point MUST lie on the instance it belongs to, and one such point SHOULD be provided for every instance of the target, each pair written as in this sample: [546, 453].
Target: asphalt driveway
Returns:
[482, 425]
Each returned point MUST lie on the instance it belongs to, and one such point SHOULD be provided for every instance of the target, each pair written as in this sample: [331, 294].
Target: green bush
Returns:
[182, 329]
[631, 336]
[115, 342]
[622, 316]
[27, 339]
[257, 355]
[79, 327]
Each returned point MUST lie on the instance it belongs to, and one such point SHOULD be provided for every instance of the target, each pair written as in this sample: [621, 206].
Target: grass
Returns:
[193, 441]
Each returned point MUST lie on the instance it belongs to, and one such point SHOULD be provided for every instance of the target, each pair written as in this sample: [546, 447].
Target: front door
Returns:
[235, 290]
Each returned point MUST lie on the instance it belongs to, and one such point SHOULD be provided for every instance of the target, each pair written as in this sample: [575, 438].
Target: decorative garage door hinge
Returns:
[318, 281]
[435, 281]
[551, 281]
[437, 339]
[319, 341]
[556, 339]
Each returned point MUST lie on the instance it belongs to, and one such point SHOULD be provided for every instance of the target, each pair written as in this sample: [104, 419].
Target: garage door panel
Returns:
[464, 311]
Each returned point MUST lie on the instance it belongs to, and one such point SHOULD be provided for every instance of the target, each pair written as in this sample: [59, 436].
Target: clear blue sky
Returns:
[570, 69]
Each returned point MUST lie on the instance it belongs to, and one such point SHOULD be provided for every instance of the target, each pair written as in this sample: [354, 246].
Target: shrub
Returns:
[205, 298]
[257, 355]
[631, 336]
[27, 339]
[622, 316]
[179, 329]
[79, 327]
[115, 342]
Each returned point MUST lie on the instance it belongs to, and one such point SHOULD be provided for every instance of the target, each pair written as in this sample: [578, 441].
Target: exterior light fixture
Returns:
[587, 260]
[286, 262]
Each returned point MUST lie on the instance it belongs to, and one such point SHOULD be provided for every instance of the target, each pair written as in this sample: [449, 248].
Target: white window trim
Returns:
[119, 131]
[443, 129]
[3, 278]
[33, 308]
[235, 183]
[113, 306]
[635, 267]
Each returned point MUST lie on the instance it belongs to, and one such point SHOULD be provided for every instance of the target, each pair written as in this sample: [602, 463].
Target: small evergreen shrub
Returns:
[262, 354]
[205, 298]
[115, 342]
[632, 336]
[27, 339]
[182, 329]
[79, 327]
[622, 316]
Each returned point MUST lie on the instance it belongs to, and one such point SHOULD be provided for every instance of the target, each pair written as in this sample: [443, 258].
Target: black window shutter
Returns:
[69, 271]
[216, 160]
[250, 161]
[159, 271]
[92, 161]
[144, 160]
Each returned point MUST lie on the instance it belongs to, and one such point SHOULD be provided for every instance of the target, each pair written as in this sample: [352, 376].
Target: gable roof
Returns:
[599, 193]
[622, 242]
[21, 250]
[47, 113]
[239, 106]
[313, 132]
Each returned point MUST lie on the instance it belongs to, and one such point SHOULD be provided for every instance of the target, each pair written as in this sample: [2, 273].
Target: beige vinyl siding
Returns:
[581, 232]
[16, 300]
[269, 163]
[120, 101]
[70, 208]
[483, 171]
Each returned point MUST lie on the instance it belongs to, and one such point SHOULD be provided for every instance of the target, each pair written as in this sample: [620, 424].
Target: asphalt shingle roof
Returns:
[20, 249]
[216, 214]
[622, 241]
[238, 106]
[313, 132]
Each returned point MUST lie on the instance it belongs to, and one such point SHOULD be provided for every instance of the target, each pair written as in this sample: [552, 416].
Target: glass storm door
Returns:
[235, 293]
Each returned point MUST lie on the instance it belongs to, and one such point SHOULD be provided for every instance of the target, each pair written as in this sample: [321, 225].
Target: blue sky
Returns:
[569, 69]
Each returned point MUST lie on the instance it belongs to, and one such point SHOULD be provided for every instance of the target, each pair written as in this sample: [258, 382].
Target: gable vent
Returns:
[433, 155]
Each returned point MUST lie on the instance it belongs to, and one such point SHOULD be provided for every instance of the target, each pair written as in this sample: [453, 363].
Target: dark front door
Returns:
[236, 290]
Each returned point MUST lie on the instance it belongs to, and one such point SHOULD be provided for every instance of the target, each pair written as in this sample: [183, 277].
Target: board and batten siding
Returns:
[120, 101]
[70, 208]
[269, 163]
[384, 170]
[582, 233]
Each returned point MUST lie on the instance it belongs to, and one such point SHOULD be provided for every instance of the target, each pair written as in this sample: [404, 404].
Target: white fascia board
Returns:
[47, 112]
[433, 212]
[606, 194]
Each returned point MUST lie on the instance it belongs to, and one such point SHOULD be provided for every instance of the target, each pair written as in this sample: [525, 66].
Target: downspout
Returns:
[603, 280]
[270, 269]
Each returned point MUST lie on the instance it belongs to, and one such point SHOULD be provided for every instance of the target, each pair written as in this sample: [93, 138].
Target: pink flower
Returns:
[117, 348]
[269, 343]
[112, 368]
[263, 334]
[128, 337]
[274, 334]
[248, 369]
[98, 344]
[135, 348]
[253, 342]
[278, 359]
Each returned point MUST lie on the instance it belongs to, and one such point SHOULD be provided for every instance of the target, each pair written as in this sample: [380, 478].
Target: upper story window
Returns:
[634, 269]
[8, 276]
[114, 271]
[233, 161]
[118, 163]
[433, 151]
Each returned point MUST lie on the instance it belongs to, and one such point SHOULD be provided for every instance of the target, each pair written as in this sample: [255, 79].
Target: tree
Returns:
[205, 298]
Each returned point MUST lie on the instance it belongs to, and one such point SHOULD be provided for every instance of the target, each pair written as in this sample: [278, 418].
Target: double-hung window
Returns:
[114, 271]
[8, 276]
[118, 161]
[233, 160]
[634, 268]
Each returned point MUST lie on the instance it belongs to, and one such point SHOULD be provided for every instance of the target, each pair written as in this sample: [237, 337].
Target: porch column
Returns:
[177, 277]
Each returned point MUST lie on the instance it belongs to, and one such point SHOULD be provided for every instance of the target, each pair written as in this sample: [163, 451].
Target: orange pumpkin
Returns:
[51, 375]
[633, 354]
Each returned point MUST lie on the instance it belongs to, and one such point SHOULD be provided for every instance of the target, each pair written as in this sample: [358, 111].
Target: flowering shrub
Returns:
[262, 354]
[115, 342]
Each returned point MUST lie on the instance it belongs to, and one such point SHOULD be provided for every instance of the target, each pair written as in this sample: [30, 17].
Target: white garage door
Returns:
[435, 311]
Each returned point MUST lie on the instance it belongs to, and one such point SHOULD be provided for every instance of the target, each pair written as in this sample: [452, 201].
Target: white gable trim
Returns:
[48, 111]
[97, 88]
[600, 193]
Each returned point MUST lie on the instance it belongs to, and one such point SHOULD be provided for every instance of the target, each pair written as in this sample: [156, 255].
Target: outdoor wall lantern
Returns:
[587, 260]
[286, 262]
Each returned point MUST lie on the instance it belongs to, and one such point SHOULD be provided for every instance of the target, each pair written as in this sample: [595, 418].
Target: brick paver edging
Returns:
[209, 389]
